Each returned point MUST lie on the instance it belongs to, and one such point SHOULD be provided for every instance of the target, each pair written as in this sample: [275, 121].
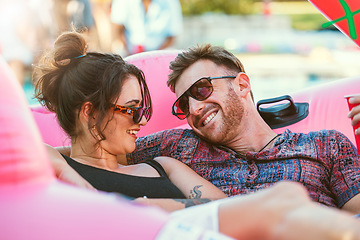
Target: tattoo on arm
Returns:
[193, 202]
[194, 198]
[195, 193]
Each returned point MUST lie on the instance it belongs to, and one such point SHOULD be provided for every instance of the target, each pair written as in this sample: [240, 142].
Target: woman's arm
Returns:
[63, 171]
[194, 187]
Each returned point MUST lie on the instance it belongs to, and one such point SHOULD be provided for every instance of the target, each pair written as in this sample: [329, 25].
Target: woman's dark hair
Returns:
[68, 76]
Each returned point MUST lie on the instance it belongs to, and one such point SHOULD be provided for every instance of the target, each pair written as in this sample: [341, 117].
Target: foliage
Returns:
[308, 21]
[198, 7]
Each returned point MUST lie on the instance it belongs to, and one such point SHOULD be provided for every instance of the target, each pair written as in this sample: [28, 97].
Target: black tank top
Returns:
[129, 185]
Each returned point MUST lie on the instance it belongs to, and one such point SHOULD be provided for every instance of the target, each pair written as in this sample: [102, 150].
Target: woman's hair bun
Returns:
[48, 73]
[69, 46]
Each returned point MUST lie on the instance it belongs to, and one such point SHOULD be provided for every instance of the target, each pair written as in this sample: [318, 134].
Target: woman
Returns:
[101, 102]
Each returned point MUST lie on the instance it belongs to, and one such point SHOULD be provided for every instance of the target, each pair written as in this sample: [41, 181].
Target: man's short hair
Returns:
[218, 55]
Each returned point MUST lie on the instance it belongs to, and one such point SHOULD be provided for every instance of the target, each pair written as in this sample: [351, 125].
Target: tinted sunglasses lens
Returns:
[181, 107]
[201, 90]
[138, 113]
[146, 113]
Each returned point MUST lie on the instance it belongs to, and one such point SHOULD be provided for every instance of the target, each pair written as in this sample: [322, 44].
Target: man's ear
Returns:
[243, 82]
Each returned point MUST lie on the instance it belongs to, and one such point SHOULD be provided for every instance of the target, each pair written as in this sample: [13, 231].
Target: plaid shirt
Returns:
[325, 162]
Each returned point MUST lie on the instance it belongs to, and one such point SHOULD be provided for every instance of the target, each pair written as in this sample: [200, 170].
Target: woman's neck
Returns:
[96, 157]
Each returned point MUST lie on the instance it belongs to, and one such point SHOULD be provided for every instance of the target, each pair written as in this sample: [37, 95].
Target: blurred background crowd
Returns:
[281, 43]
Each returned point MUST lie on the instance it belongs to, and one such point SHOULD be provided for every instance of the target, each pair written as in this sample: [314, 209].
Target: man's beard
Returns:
[232, 115]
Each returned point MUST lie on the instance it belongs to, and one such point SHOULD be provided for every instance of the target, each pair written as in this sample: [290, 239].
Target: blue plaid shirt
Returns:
[325, 162]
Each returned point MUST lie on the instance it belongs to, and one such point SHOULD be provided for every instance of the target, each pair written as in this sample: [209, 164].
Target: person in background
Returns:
[146, 25]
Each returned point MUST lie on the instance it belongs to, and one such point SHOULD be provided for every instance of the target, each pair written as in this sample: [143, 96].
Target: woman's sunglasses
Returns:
[136, 112]
[200, 90]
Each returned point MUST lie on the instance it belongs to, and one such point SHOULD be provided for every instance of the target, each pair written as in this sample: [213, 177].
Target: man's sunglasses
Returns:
[136, 112]
[200, 90]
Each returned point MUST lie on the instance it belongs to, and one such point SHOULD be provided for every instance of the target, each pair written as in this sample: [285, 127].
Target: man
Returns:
[231, 146]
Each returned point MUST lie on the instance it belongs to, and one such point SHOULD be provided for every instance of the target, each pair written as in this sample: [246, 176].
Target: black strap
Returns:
[157, 167]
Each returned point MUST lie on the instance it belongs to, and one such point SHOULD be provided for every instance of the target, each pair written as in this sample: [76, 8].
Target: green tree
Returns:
[198, 7]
